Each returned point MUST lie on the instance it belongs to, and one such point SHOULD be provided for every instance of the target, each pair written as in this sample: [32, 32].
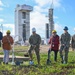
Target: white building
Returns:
[22, 22]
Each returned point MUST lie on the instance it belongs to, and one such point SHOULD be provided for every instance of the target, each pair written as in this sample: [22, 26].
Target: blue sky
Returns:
[64, 14]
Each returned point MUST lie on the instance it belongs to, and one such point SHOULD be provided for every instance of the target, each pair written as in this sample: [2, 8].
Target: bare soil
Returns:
[44, 48]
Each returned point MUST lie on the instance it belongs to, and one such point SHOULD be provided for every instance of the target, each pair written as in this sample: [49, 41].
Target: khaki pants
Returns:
[64, 52]
[36, 49]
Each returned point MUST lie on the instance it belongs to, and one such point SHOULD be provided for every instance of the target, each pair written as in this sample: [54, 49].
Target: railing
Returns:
[13, 56]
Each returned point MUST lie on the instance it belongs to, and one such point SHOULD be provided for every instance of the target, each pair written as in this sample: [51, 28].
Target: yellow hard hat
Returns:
[54, 31]
[8, 32]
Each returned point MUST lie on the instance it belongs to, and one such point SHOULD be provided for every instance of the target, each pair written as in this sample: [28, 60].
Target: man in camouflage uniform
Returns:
[65, 43]
[73, 42]
[34, 41]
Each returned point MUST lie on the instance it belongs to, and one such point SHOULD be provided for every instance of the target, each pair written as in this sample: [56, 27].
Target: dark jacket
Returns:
[35, 39]
[65, 39]
[73, 41]
[1, 35]
[54, 42]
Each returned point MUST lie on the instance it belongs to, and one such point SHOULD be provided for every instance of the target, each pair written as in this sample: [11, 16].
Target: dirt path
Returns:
[44, 48]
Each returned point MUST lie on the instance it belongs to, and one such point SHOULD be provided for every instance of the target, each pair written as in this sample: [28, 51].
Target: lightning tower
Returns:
[51, 22]
[50, 25]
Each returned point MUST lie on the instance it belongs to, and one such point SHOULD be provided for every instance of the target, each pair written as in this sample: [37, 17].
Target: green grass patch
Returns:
[54, 68]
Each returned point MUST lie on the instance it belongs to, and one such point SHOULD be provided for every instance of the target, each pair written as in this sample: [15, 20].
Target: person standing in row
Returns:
[54, 46]
[7, 41]
[73, 42]
[65, 44]
[34, 41]
[1, 36]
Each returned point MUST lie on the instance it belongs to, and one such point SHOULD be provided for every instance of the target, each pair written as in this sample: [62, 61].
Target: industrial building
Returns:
[22, 22]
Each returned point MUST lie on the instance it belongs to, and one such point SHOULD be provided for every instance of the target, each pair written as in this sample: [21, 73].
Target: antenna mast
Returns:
[52, 4]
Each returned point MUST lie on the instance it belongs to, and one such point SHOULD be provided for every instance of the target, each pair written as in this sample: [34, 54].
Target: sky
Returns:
[64, 15]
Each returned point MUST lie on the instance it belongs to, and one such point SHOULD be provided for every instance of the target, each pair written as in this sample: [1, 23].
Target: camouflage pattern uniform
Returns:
[35, 41]
[73, 42]
[64, 48]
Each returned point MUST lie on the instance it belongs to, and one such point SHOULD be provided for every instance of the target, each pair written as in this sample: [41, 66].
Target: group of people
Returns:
[64, 43]
[56, 43]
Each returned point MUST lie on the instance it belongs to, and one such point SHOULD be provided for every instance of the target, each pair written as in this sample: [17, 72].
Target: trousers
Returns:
[36, 49]
[55, 54]
[6, 56]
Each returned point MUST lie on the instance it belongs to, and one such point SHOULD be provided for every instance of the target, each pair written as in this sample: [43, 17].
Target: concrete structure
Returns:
[22, 21]
[47, 33]
[51, 22]
[50, 25]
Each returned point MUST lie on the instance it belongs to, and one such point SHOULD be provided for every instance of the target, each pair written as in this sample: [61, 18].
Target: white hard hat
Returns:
[33, 30]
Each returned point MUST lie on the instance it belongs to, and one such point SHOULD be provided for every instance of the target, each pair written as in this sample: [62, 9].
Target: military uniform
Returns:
[73, 42]
[64, 48]
[35, 41]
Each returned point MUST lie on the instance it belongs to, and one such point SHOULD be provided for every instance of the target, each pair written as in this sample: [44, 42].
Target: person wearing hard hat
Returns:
[65, 44]
[54, 46]
[7, 41]
[34, 41]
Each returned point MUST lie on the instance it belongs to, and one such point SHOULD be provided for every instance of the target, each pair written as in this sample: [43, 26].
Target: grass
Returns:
[55, 68]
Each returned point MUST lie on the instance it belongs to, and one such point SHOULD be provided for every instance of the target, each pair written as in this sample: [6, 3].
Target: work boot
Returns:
[31, 62]
[6, 63]
[48, 62]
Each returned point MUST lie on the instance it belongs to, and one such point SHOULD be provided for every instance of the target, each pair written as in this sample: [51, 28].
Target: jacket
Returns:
[54, 42]
[65, 39]
[1, 35]
[35, 39]
[7, 41]
[73, 41]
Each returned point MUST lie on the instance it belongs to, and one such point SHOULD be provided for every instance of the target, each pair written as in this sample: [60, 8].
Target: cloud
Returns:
[1, 20]
[8, 27]
[56, 3]
[1, 4]
[40, 9]
[64, 10]
[42, 2]
[1, 8]
[74, 29]
[58, 27]
[55, 17]
[38, 22]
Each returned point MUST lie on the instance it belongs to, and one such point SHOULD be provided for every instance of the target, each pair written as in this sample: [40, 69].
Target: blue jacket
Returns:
[1, 35]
